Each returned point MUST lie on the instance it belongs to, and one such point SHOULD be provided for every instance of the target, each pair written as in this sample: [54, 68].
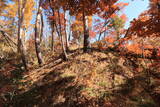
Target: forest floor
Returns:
[94, 79]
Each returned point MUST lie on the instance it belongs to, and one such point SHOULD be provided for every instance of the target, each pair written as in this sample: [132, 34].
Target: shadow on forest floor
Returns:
[64, 92]
[139, 91]
[63, 84]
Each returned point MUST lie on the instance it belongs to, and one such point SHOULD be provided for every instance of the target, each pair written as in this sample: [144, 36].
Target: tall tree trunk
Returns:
[86, 34]
[38, 34]
[69, 35]
[66, 36]
[52, 26]
[64, 57]
[20, 48]
[24, 40]
[42, 25]
[52, 39]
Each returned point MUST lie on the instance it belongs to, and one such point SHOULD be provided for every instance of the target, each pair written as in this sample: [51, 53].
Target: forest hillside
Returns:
[92, 79]
[79, 53]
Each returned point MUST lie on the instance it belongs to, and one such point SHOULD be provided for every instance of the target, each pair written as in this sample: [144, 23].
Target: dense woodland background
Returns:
[84, 57]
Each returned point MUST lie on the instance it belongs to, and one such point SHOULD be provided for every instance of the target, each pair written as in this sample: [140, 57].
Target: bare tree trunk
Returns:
[20, 48]
[38, 34]
[42, 25]
[69, 35]
[86, 34]
[66, 36]
[52, 39]
[52, 26]
[24, 40]
[62, 40]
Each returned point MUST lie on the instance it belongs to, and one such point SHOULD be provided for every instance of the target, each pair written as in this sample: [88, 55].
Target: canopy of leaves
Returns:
[148, 22]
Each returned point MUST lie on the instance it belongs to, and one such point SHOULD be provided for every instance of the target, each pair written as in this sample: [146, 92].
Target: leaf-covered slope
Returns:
[92, 79]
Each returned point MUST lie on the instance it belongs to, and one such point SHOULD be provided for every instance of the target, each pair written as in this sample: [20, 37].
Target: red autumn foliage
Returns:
[124, 17]
[92, 34]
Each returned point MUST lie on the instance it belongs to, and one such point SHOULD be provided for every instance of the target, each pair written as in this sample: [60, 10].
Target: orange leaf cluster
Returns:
[110, 39]
[124, 17]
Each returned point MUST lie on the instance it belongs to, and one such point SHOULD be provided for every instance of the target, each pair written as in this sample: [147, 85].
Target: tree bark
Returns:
[20, 48]
[86, 34]
[66, 36]
[52, 26]
[64, 57]
[38, 34]
[42, 25]
[52, 39]
[69, 35]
